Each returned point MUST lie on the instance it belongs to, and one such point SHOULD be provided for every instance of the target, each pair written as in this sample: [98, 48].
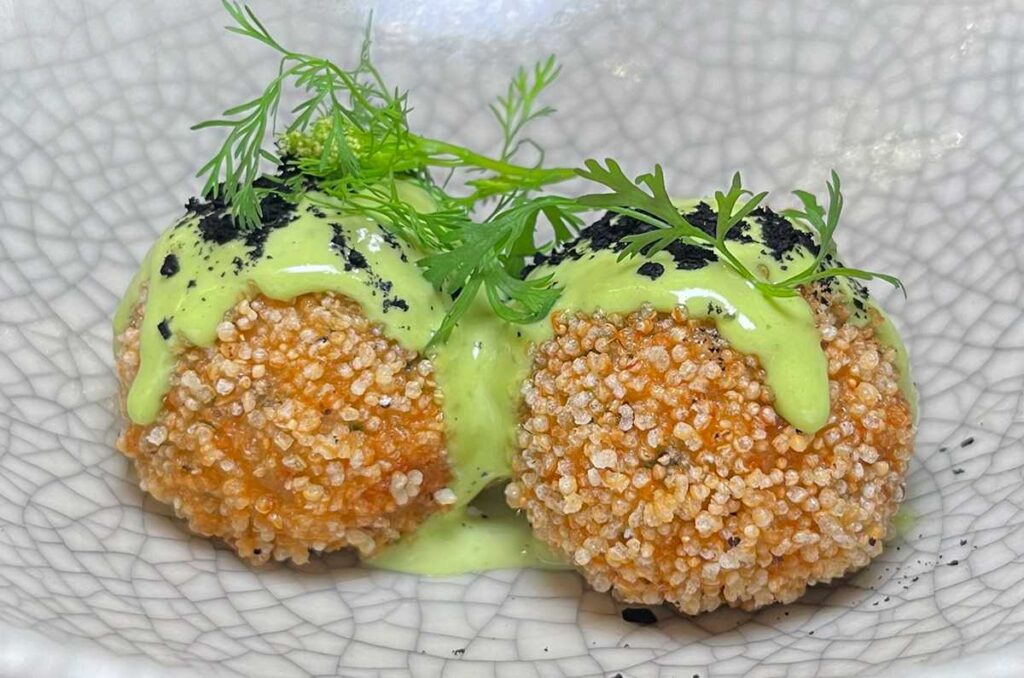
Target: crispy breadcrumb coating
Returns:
[651, 456]
[303, 428]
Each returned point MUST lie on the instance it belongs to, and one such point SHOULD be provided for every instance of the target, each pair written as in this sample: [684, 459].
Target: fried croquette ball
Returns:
[651, 456]
[303, 428]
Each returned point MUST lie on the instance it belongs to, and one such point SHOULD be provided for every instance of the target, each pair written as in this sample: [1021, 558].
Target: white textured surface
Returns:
[918, 105]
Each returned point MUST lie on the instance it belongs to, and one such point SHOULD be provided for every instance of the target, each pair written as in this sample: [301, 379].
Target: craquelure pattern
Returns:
[917, 104]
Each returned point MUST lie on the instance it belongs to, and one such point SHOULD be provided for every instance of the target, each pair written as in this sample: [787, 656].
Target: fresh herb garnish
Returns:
[361, 132]
[516, 109]
[351, 143]
[824, 222]
[647, 199]
[491, 255]
[351, 137]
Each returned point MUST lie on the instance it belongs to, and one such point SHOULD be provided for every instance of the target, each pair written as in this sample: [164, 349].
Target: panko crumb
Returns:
[304, 428]
[651, 456]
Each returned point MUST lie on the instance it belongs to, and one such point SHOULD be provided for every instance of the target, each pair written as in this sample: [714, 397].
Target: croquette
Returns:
[651, 456]
[303, 428]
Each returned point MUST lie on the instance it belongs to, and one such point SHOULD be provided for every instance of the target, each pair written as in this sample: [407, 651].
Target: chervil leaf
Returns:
[824, 222]
[516, 300]
[492, 253]
[654, 206]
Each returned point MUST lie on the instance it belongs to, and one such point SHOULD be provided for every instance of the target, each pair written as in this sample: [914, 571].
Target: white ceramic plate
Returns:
[918, 105]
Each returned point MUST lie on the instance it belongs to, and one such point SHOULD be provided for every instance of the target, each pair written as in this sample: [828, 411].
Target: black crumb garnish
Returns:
[353, 258]
[391, 240]
[459, 652]
[164, 327]
[706, 219]
[691, 257]
[651, 269]
[958, 471]
[338, 239]
[967, 441]
[218, 226]
[953, 563]
[237, 263]
[170, 266]
[395, 303]
[639, 615]
[200, 207]
[610, 233]
[780, 237]
[963, 542]
[191, 284]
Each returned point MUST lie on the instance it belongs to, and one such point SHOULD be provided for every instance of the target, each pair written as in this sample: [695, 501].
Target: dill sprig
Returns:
[647, 199]
[518, 106]
[367, 139]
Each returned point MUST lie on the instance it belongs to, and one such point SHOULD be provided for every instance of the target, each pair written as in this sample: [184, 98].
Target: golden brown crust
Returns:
[302, 428]
[652, 457]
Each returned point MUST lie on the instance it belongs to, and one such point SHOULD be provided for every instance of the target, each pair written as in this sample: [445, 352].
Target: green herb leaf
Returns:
[516, 300]
[492, 253]
[518, 107]
[824, 222]
[462, 303]
[359, 129]
[654, 206]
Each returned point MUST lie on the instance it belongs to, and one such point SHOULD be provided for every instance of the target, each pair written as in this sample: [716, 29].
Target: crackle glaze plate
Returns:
[917, 104]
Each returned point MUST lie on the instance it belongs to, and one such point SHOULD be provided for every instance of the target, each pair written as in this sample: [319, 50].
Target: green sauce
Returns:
[481, 367]
[297, 259]
[485, 535]
[890, 336]
[780, 330]
[479, 370]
